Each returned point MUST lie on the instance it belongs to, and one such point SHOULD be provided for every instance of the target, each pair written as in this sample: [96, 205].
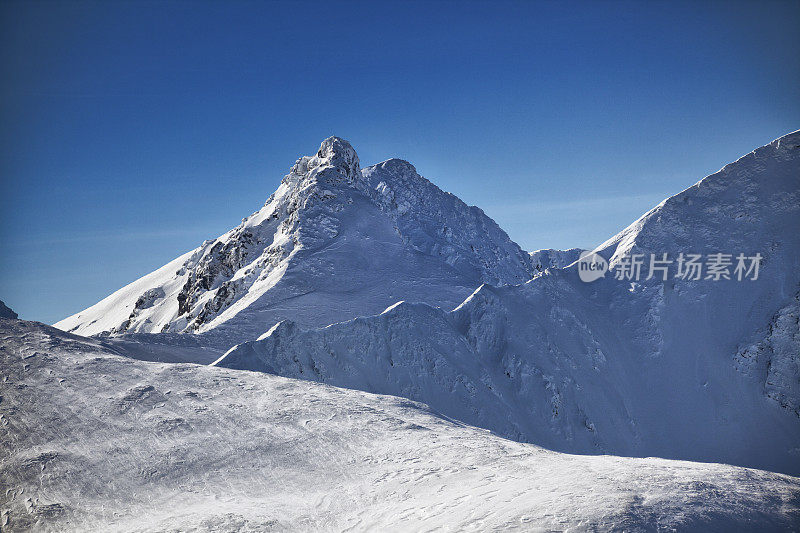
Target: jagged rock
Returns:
[6, 312]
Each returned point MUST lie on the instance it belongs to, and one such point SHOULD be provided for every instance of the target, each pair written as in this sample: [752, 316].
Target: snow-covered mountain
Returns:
[333, 242]
[673, 367]
[90, 441]
[681, 368]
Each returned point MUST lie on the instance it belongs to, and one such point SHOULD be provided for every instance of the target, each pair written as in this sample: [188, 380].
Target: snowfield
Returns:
[92, 441]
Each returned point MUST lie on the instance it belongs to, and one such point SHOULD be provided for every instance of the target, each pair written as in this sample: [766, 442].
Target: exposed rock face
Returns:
[333, 242]
[6, 312]
[774, 360]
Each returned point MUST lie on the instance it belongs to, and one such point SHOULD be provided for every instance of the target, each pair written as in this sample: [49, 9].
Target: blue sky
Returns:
[132, 131]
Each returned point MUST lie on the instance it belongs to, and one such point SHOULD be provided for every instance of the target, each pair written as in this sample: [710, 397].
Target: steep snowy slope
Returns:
[679, 368]
[90, 441]
[332, 243]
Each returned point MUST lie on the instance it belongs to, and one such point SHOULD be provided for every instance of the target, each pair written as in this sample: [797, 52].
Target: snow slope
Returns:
[90, 441]
[333, 242]
[702, 370]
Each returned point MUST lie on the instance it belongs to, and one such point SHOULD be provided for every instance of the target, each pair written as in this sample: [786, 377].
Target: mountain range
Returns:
[368, 352]
[375, 279]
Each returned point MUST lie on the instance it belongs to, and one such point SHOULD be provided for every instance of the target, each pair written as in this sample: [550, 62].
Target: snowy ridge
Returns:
[135, 446]
[550, 258]
[333, 242]
[646, 368]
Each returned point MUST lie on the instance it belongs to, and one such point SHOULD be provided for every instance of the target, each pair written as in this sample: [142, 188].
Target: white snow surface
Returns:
[701, 370]
[90, 441]
[332, 243]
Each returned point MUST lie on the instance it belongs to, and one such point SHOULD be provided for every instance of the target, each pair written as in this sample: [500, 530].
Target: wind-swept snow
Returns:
[648, 367]
[90, 441]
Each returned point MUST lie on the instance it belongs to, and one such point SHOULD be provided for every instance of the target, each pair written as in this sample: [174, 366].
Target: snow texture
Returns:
[91, 441]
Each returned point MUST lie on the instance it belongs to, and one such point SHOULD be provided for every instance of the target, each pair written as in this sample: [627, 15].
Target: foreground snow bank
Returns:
[93, 441]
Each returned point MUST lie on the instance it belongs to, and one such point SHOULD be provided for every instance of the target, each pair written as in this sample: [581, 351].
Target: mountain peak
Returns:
[335, 145]
[320, 251]
[396, 165]
[335, 156]
[339, 154]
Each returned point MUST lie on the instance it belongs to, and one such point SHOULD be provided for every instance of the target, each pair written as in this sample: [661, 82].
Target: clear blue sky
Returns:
[132, 131]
